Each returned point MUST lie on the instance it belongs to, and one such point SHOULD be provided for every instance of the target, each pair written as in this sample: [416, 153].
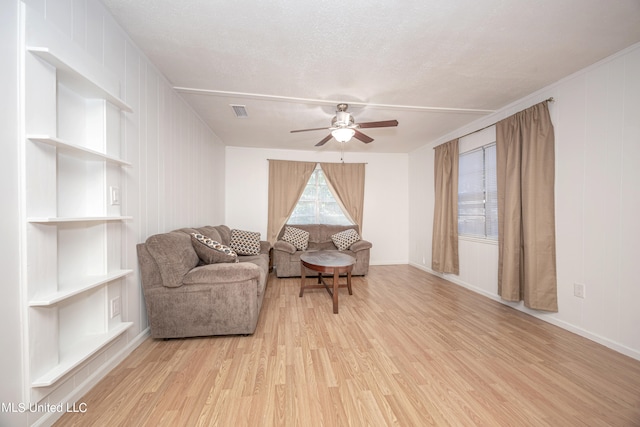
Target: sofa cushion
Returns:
[211, 251]
[174, 255]
[345, 238]
[360, 245]
[245, 242]
[297, 237]
[225, 233]
[212, 233]
[283, 246]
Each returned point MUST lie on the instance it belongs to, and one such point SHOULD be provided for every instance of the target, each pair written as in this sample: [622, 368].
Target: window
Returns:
[478, 193]
[317, 205]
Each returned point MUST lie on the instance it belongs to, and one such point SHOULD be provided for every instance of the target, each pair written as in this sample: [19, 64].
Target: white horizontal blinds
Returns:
[317, 205]
[471, 193]
[491, 192]
[477, 193]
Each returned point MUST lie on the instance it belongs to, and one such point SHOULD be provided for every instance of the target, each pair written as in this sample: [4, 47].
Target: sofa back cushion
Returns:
[219, 233]
[174, 255]
[320, 234]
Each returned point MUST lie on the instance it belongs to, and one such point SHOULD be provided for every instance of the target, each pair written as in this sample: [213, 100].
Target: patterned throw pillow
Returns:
[245, 242]
[210, 251]
[345, 238]
[298, 238]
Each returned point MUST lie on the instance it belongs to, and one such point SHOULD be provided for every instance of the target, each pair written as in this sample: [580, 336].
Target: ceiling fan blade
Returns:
[362, 137]
[382, 124]
[324, 141]
[305, 130]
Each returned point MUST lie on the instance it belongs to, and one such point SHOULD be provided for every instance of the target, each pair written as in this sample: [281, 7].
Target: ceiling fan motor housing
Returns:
[342, 119]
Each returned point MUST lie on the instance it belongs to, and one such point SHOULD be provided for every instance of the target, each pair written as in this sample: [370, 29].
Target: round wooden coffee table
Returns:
[332, 262]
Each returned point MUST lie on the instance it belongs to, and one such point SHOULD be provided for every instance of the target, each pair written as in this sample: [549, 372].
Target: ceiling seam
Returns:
[212, 92]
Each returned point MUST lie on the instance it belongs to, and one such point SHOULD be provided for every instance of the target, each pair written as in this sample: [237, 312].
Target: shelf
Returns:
[77, 80]
[76, 288]
[57, 220]
[76, 150]
[81, 353]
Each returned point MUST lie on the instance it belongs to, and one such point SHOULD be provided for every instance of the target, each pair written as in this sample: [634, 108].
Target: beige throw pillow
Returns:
[344, 239]
[245, 242]
[297, 237]
[211, 251]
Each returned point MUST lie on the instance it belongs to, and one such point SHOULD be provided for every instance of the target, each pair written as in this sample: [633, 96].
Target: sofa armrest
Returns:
[222, 273]
[360, 245]
[265, 247]
[283, 246]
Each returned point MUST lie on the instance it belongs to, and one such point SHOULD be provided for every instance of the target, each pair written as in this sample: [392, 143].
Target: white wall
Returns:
[596, 115]
[176, 161]
[10, 339]
[385, 203]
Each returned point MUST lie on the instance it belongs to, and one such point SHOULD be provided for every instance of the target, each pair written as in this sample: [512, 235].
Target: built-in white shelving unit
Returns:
[73, 222]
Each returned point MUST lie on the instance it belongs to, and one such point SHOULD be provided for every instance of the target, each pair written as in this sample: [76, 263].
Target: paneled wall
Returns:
[176, 179]
[596, 118]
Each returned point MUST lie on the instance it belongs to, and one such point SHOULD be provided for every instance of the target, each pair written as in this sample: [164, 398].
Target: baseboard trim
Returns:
[93, 379]
[546, 317]
[379, 262]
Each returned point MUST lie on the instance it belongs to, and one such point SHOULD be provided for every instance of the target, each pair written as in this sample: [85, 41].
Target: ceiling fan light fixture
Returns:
[343, 134]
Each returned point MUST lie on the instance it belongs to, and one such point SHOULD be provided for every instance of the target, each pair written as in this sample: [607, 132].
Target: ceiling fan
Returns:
[343, 127]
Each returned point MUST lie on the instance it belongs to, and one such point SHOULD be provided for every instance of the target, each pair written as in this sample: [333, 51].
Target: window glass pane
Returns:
[324, 193]
[309, 193]
[471, 225]
[477, 193]
[317, 204]
[491, 184]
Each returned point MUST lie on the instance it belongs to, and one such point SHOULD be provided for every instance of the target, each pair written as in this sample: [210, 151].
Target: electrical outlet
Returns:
[578, 290]
[114, 194]
[115, 307]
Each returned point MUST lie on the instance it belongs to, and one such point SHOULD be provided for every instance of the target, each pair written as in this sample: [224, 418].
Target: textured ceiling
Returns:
[432, 65]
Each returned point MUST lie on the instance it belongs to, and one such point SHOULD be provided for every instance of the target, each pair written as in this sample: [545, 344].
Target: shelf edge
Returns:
[60, 296]
[49, 56]
[54, 220]
[63, 368]
[58, 143]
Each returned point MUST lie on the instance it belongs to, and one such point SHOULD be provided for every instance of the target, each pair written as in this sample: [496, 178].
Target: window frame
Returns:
[318, 202]
[486, 237]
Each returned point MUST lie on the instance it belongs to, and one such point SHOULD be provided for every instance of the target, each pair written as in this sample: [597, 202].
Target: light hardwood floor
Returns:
[406, 349]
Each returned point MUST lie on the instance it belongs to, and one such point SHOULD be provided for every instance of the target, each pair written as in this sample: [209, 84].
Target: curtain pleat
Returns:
[347, 180]
[444, 244]
[526, 208]
[287, 181]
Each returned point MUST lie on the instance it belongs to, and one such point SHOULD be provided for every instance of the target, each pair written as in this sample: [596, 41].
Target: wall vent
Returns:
[240, 111]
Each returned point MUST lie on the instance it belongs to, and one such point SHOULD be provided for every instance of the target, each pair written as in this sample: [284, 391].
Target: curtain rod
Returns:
[304, 161]
[492, 124]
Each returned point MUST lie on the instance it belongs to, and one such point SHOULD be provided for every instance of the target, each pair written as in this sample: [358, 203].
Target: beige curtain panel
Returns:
[526, 211]
[444, 244]
[347, 180]
[287, 181]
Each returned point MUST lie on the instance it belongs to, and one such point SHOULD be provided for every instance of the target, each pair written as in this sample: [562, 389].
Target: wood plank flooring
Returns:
[406, 349]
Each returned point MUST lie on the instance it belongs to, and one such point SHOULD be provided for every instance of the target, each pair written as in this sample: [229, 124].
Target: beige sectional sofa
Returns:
[286, 257]
[186, 297]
